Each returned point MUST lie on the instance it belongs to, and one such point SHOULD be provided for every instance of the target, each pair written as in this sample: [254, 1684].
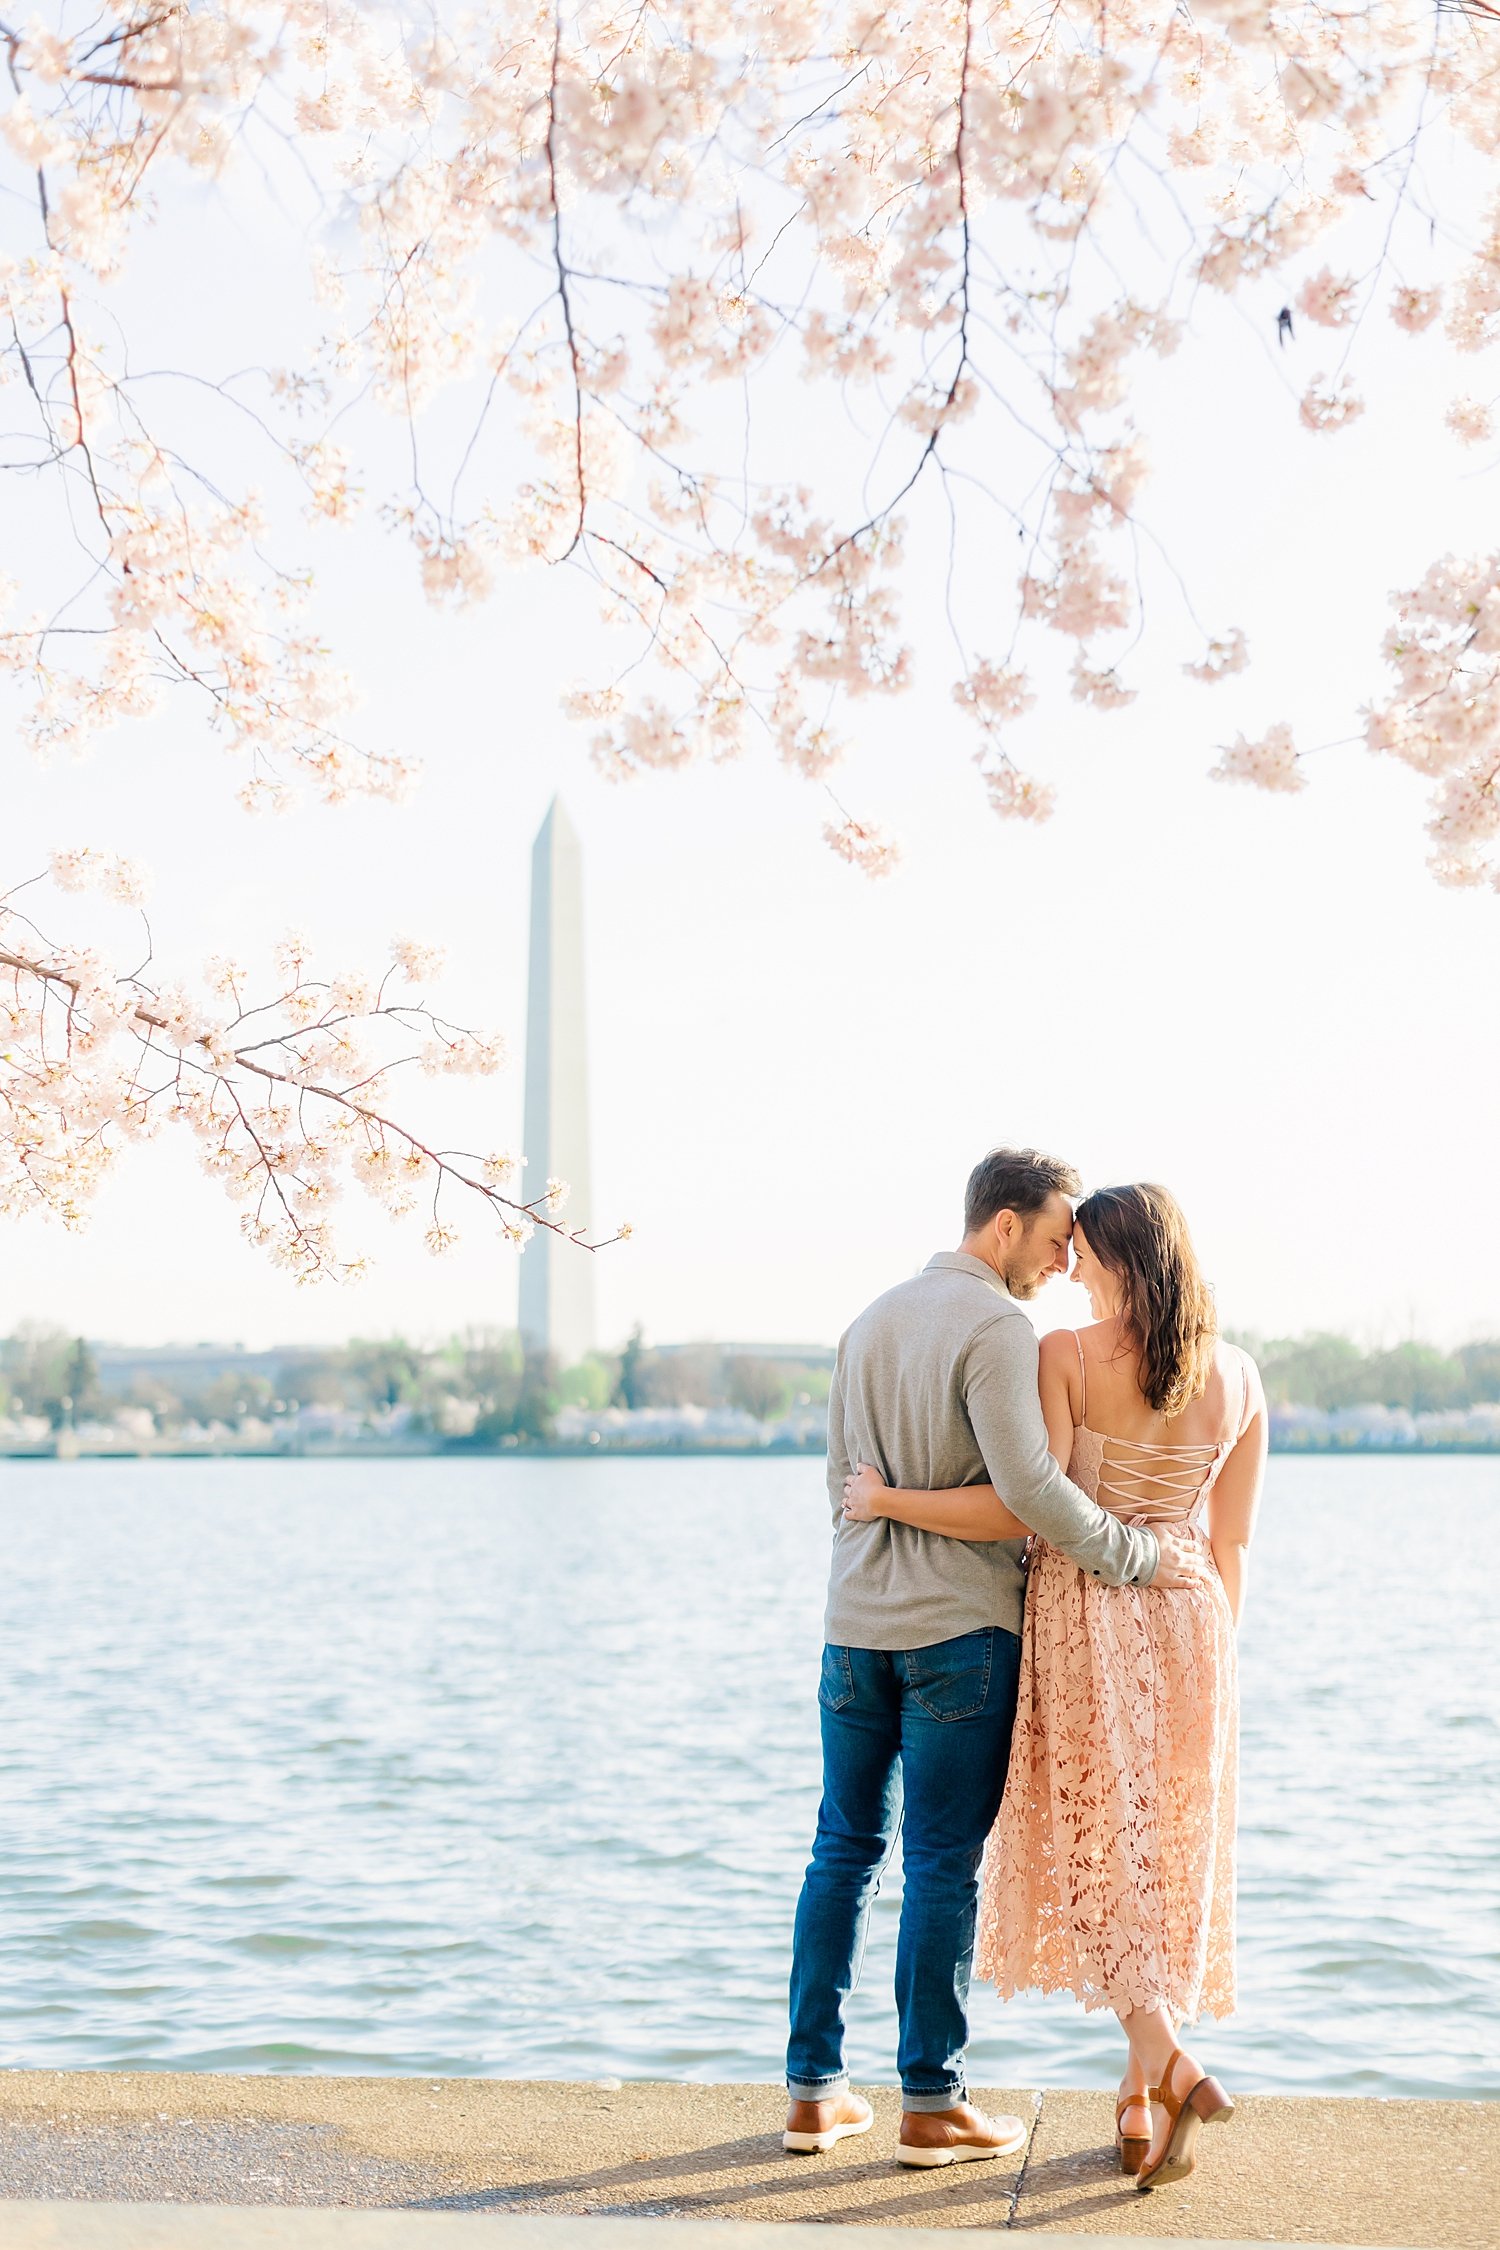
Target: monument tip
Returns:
[557, 816]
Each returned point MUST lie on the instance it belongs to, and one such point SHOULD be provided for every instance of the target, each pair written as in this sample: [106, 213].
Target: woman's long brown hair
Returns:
[1166, 1306]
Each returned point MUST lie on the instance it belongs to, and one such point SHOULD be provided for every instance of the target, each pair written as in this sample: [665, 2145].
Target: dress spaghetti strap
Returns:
[1083, 1381]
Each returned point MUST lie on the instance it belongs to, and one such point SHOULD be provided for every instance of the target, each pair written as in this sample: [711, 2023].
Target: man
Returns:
[935, 1385]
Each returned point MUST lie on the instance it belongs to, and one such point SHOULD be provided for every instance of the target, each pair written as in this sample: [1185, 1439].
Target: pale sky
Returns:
[1265, 1003]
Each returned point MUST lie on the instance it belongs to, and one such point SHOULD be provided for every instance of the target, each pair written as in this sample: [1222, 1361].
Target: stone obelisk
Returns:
[557, 1279]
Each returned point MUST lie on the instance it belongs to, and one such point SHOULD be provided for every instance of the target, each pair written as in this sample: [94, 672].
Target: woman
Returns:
[1110, 1872]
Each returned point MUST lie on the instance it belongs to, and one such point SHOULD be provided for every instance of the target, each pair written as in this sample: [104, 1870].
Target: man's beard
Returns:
[1022, 1286]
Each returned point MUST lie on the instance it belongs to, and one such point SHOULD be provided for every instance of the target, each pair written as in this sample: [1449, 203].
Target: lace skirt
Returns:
[1110, 1871]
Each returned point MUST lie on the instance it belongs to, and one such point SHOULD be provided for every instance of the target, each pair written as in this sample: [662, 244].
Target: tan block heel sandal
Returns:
[1205, 2103]
[1133, 2147]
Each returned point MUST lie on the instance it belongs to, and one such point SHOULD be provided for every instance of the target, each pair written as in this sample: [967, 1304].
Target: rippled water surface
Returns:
[504, 1766]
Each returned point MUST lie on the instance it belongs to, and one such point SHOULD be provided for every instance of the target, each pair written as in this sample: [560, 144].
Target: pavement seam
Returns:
[1015, 2193]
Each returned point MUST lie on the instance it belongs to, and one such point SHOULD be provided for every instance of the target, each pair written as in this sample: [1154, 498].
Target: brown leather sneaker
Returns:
[962, 2135]
[813, 2127]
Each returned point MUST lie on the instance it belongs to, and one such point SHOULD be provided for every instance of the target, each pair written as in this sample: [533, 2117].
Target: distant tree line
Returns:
[1330, 1371]
[482, 1385]
[47, 1372]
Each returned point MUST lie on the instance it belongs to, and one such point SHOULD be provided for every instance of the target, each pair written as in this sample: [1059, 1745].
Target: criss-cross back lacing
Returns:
[1131, 1474]
[1135, 1486]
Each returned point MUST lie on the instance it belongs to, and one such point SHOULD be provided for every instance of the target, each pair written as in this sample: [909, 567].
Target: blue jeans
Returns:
[932, 1725]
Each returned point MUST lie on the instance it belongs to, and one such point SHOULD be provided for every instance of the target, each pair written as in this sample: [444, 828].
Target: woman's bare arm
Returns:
[1057, 1379]
[1236, 1496]
[964, 1511]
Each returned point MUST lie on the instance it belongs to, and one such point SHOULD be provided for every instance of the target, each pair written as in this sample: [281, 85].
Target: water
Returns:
[510, 1767]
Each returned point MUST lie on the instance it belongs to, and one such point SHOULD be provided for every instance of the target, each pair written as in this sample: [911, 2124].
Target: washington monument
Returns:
[557, 1280]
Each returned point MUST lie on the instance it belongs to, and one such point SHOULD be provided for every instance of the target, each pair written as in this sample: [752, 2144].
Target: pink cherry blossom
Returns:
[418, 963]
[1442, 717]
[1271, 763]
[864, 846]
[1329, 300]
[1416, 309]
[1330, 405]
[1102, 687]
[994, 694]
[1221, 658]
[1012, 794]
[1471, 422]
[84, 868]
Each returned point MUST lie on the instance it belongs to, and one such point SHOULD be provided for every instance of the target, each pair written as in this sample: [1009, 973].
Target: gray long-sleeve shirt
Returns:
[936, 1385]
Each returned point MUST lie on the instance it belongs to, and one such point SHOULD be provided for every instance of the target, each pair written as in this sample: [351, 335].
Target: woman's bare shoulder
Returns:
[1238, 1371]
[1096, 1346]
[1099, 1341]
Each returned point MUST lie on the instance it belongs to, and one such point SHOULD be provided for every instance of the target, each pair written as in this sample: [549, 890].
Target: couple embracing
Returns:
[1051, 1725]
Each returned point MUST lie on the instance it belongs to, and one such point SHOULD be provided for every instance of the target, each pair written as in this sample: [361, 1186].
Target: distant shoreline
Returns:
[465, 1450]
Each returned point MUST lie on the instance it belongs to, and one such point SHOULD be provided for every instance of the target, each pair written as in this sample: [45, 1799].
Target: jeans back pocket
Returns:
[951, 1680]
[836, 1683]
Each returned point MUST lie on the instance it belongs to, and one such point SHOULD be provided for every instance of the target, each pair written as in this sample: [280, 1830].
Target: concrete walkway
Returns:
[180, 2226]
[1423, 2175]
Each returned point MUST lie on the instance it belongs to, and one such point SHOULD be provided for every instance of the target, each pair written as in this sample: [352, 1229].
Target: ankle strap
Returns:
[1163, 2093]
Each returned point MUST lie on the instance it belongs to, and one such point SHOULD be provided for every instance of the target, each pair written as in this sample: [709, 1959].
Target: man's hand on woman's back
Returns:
[1183, 1562]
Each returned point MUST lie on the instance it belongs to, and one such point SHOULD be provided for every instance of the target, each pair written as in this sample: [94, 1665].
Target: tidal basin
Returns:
[508, 1767]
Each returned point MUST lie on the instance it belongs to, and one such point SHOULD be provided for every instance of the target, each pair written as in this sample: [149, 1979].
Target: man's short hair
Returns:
[1015, 1179]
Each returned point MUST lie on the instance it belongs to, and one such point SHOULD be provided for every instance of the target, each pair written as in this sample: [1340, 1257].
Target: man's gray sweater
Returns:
[936, 1385]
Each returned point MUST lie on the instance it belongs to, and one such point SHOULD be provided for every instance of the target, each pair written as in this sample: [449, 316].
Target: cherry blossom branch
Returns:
[72, 1089]
[563, 298]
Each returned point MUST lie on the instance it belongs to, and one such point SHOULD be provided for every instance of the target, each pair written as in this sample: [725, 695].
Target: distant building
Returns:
[185, 1368]
[777, 1355]
[557, 1279]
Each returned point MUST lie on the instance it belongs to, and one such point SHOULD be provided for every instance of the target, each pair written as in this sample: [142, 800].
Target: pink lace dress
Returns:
[1110, 1871]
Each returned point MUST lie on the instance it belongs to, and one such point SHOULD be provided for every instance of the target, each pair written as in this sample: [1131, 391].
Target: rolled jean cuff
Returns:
[923, 2105]
[818, 2089]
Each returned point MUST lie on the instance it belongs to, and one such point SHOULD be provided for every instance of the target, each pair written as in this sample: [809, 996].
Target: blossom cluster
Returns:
[1442, 717]
[1272, 763]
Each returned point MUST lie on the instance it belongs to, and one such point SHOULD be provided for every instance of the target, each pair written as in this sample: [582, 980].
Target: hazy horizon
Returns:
[1061, 1305]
